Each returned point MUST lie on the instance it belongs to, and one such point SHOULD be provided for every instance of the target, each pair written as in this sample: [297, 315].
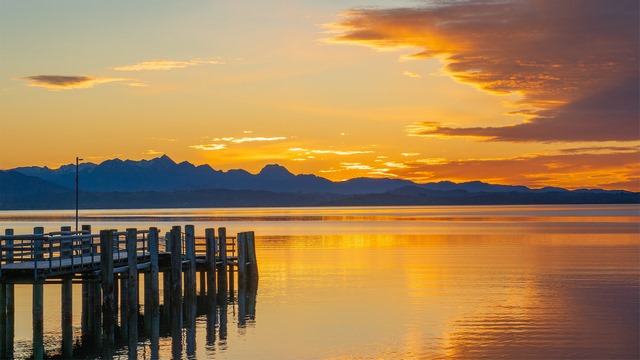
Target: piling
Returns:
[154, 289]
[210, 242]
[67, 317]
[176, 291]
[222, 267]
[241, 247]
[132, 293]
[108, 293]
[190, 275]
[10, 303]
[38, 301]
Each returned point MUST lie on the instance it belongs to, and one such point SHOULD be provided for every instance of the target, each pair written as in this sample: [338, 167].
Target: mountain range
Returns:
[161, 182]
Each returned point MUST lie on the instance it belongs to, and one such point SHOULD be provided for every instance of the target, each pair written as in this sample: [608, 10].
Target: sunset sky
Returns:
[537, 93]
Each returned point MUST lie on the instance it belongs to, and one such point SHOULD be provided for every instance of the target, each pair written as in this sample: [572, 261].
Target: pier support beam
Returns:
[38, 301]
[3, 321]
[38, 321]
[222, 267]
[155, 296]
[210, 242]
[241, 247]
[132, 298]
[108, 296]
[190, 289]
[67, 317]
[176, 292]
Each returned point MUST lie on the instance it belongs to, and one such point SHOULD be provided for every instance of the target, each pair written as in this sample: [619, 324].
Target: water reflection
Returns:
[157, 340]
[548, 282]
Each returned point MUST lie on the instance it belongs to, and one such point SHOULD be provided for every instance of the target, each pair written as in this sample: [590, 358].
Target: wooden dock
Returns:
[109, 265]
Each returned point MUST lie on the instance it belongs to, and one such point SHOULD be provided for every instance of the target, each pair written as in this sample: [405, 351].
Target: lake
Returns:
[424, 282]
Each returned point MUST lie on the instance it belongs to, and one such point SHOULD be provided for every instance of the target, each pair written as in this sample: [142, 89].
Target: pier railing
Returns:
[67, 251]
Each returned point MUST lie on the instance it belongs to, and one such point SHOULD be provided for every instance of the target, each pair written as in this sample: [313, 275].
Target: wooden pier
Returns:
[109, 265]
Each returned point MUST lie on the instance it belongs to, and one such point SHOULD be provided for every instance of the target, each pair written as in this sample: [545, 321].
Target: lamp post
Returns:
[77, 163]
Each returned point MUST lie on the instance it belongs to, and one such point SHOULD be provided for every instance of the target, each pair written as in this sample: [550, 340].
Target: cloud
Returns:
[611, 114]
[155, 65]
[61, 82]
[595, 169]
[152, 152]
[333, 152]
[250, 139]
[411, 74]
[575, 63]
[209, 147]
[217, 146]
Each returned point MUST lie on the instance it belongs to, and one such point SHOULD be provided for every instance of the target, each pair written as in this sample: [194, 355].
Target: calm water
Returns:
[405, 282]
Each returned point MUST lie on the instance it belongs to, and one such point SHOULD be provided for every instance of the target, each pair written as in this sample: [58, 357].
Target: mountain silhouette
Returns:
[161, 182]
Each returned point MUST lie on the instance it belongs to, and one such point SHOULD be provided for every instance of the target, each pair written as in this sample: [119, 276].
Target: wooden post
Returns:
[38, 323]
[3, 321]
[241, 247]
[124, 306]
[147, 302]
[65, 245]
[252, 262]
[86, 239]
[97, 312]
[87, 311]
[67, 317]
[116, 296]
[190, 277]
[132, 296]
[86, 250]
[176, 292]
[108, 296]
[166, 298]
[166, 285]
[10, 303]
[210, 242]
[222, 267]
[38, 301]
[37, 249]
[154, 293]
[211, 247]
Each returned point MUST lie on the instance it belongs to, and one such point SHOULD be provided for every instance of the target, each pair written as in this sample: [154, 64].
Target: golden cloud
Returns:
[575, 63]
[155, 65]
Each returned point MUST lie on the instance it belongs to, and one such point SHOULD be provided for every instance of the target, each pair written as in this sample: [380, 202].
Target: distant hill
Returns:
[161, 182]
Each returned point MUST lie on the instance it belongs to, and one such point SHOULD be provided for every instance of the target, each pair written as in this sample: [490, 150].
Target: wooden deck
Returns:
[40, 256]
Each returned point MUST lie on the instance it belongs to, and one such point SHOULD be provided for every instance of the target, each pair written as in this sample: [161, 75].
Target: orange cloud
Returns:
[576, 63]
[155, 65]
[606, 168]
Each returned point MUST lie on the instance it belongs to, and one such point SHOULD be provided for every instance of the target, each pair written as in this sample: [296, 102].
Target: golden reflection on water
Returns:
[533, 282]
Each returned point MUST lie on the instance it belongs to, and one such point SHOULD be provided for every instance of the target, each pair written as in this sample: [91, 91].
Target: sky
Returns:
[536, 93]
